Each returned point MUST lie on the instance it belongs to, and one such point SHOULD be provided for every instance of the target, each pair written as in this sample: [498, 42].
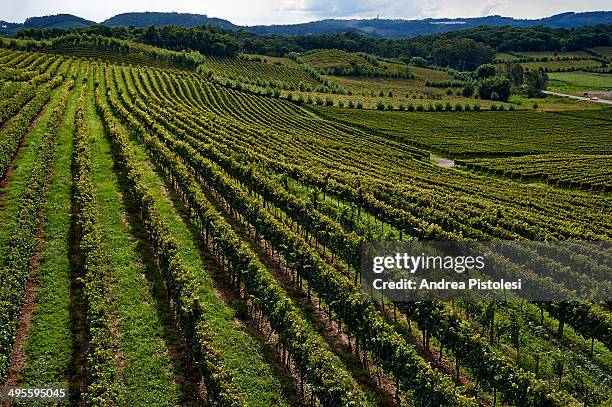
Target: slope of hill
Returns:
[154, 18]
[53, 21]
[386, 28]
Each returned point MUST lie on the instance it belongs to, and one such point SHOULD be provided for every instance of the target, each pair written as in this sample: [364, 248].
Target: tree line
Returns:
[461, 49]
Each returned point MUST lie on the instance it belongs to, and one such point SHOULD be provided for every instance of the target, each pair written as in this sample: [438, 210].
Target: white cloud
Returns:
[364, 8]
[493, 7]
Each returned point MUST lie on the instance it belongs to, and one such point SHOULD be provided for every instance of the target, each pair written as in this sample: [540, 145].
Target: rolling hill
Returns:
[54, 21]
[378, 28]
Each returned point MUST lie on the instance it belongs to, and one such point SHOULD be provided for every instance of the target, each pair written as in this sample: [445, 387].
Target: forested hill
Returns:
[395, 29]
[54, 21]
[160, 19]
[374, 28]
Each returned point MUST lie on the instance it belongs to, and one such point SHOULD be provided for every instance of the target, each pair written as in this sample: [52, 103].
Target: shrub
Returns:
[476, 107]
[485, 71]
[389, 106]
[410, 107]
[458, 107]
[449, 91]
[438, 107]
[493, 107]
[381, 93]
[309, 100]
[380, 105]
[467, 107]
[448, 107]
[340, 103]
[359, 105]
[417, 61]
[402, 107]
[511, 108]
[420, 107]
[430, 108]
[329, 101]
[351, 104]
[300, 99]
[289, 96]
[494, 96]
[390, 94]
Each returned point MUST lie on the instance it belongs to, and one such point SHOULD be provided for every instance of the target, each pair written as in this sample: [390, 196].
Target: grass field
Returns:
[504, 57]
[578, 83]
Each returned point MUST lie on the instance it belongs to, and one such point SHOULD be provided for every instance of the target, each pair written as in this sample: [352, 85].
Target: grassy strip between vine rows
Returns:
[105, 388]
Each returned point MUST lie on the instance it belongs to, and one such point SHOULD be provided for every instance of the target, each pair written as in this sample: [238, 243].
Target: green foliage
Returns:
[487, 88]
[468, 90]
[463, 54]
[418, 61]
[535, 82]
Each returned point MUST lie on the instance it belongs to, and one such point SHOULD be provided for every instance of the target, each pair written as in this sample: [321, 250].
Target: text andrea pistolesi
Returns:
[402, 263]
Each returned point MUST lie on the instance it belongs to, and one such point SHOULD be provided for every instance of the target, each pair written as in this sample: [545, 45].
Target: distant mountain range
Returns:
[380, 28]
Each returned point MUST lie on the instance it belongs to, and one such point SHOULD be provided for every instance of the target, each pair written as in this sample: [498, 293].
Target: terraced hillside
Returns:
[489, 133]
[168, 240]
[263, 73]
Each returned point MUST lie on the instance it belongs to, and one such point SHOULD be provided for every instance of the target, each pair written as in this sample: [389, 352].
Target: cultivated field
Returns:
[579, 83]
[168, 238]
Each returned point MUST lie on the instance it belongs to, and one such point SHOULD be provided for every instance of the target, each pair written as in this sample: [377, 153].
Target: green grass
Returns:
[50, 344]
[502, 56]
[579, 82]
[148, 371]
[584, 79]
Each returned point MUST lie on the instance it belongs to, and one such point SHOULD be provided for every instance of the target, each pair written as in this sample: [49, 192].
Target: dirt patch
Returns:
[443, 162]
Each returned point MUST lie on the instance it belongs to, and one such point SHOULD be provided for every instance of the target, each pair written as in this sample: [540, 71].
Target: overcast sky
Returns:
[249, 12]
